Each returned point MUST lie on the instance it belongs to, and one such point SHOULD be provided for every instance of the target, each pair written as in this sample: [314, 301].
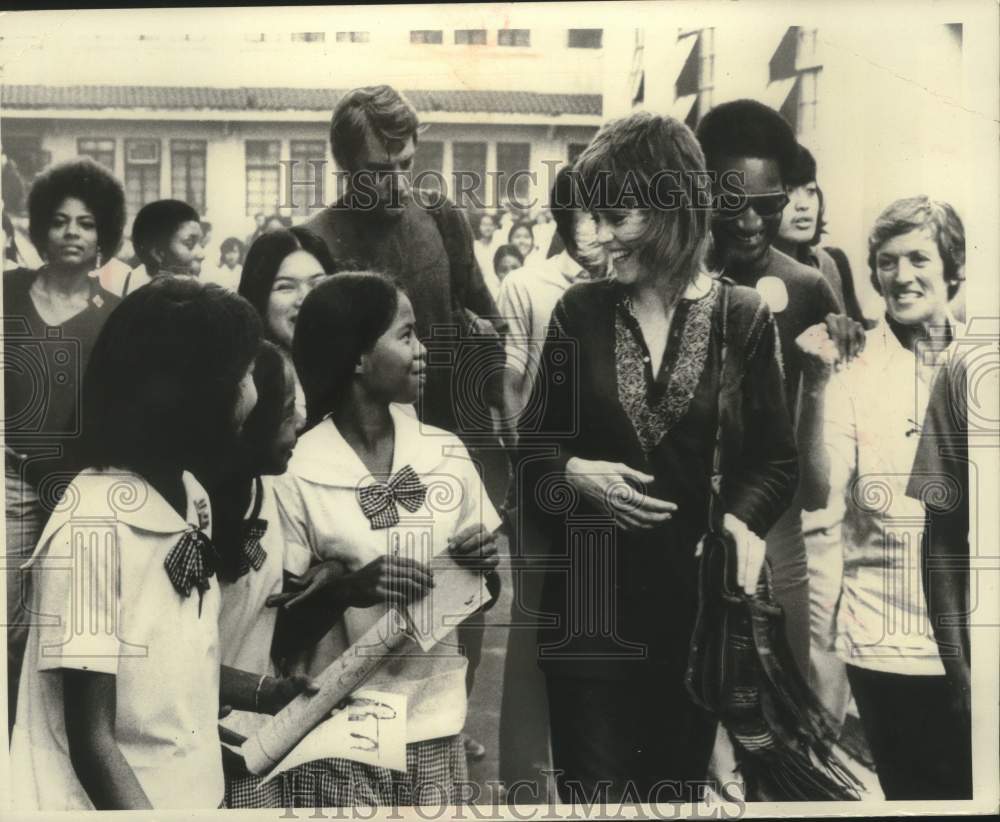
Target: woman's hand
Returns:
[390, 579]
[277, 692]
[749, 553]
[611, 486]
[474, 548]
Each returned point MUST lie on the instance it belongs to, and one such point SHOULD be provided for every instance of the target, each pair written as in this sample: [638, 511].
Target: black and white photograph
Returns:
[553, 410]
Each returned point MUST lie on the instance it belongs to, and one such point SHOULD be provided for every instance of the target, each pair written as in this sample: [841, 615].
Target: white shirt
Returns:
[246, 623]
[527, 298]
[484, 256]
[323, 519]
[110, 608]
[873, 415]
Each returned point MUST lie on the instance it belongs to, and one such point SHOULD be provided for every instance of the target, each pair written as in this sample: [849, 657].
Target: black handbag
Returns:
[740, 667]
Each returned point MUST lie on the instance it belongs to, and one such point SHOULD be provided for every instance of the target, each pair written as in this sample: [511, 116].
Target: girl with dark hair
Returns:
[802, 227]
[506, 259]
[52, 318]
[367, 476]
[167, 238]
[230, 267]
[281, 268]
[123, 713]
[522, 236]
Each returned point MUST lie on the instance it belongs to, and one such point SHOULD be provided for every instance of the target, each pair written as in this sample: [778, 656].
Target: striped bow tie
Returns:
[378, 501]
[191, 563]
[253, 554]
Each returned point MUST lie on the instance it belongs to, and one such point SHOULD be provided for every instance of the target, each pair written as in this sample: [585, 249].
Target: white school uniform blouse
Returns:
[322, 519]
[104, 603]
[246, 623]
[873, 414]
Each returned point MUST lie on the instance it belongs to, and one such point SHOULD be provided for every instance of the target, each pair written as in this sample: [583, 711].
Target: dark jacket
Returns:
[621, 602]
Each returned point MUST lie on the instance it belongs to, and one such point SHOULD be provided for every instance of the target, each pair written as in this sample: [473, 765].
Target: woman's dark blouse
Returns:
[43, 372]
[625, 602]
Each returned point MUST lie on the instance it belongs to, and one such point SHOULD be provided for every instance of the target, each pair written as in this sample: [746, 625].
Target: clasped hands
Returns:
[615, 488]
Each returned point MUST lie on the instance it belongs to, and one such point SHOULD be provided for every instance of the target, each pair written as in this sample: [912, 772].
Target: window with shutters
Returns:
[187, 172]
[263, 176]
[427, 37]
[514, 37]
[470, 37]
[309, 171]
[142, 173]
[585, 38]
[513, 167]
[469, 171]
[99, 149]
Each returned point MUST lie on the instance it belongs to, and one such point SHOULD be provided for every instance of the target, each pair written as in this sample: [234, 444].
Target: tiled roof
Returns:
[287, 99]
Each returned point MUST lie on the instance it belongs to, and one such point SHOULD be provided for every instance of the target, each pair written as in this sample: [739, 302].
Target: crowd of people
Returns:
[614, 387]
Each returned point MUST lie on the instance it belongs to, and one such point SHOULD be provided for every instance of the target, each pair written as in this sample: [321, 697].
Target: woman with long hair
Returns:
[281, 268]
[121, 710]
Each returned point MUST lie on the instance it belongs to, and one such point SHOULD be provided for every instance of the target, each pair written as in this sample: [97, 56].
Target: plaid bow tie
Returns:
[253, 554]
[378, 501]
[191, 563]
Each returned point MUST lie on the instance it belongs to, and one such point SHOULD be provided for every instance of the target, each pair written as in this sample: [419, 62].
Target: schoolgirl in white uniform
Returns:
[118, 701]
[367, 477]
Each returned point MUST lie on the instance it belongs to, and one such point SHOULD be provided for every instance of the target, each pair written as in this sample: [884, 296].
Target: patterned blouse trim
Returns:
[653, 412]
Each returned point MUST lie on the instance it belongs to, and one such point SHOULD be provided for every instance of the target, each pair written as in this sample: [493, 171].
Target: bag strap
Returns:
[715, 498]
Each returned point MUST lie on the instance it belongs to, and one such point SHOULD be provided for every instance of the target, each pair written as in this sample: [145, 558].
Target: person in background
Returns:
[359, 357]
[483, 247]
[124, 715]
[751, 150]
[259, 219]
[52, 318]
[862, 450]
[802, 228]
[522, 236]
[166, 235]
[206, 234]
[506, 259]
[527, 298]
[280, 270]
[943, 457]
[276, 222]
[230, 267]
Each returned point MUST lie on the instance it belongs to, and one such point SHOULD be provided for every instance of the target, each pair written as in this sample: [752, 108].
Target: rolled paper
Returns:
[282, 732]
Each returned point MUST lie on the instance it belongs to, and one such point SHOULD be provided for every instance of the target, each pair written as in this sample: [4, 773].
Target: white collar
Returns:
[323, 456]
[98, 496]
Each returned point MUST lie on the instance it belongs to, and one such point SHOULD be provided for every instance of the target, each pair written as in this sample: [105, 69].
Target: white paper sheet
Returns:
[370, 730]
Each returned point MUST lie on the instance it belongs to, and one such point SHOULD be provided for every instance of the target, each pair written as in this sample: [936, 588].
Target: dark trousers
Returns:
[922, 747]
[641, 740]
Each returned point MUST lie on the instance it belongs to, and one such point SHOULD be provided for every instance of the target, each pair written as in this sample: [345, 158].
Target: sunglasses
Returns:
[732, 206]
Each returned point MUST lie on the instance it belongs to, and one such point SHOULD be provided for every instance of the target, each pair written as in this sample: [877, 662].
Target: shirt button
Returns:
[645, 359]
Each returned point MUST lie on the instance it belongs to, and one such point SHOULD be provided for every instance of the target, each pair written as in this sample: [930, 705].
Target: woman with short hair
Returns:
[632, 391]
[52, 318]
[167, 238]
